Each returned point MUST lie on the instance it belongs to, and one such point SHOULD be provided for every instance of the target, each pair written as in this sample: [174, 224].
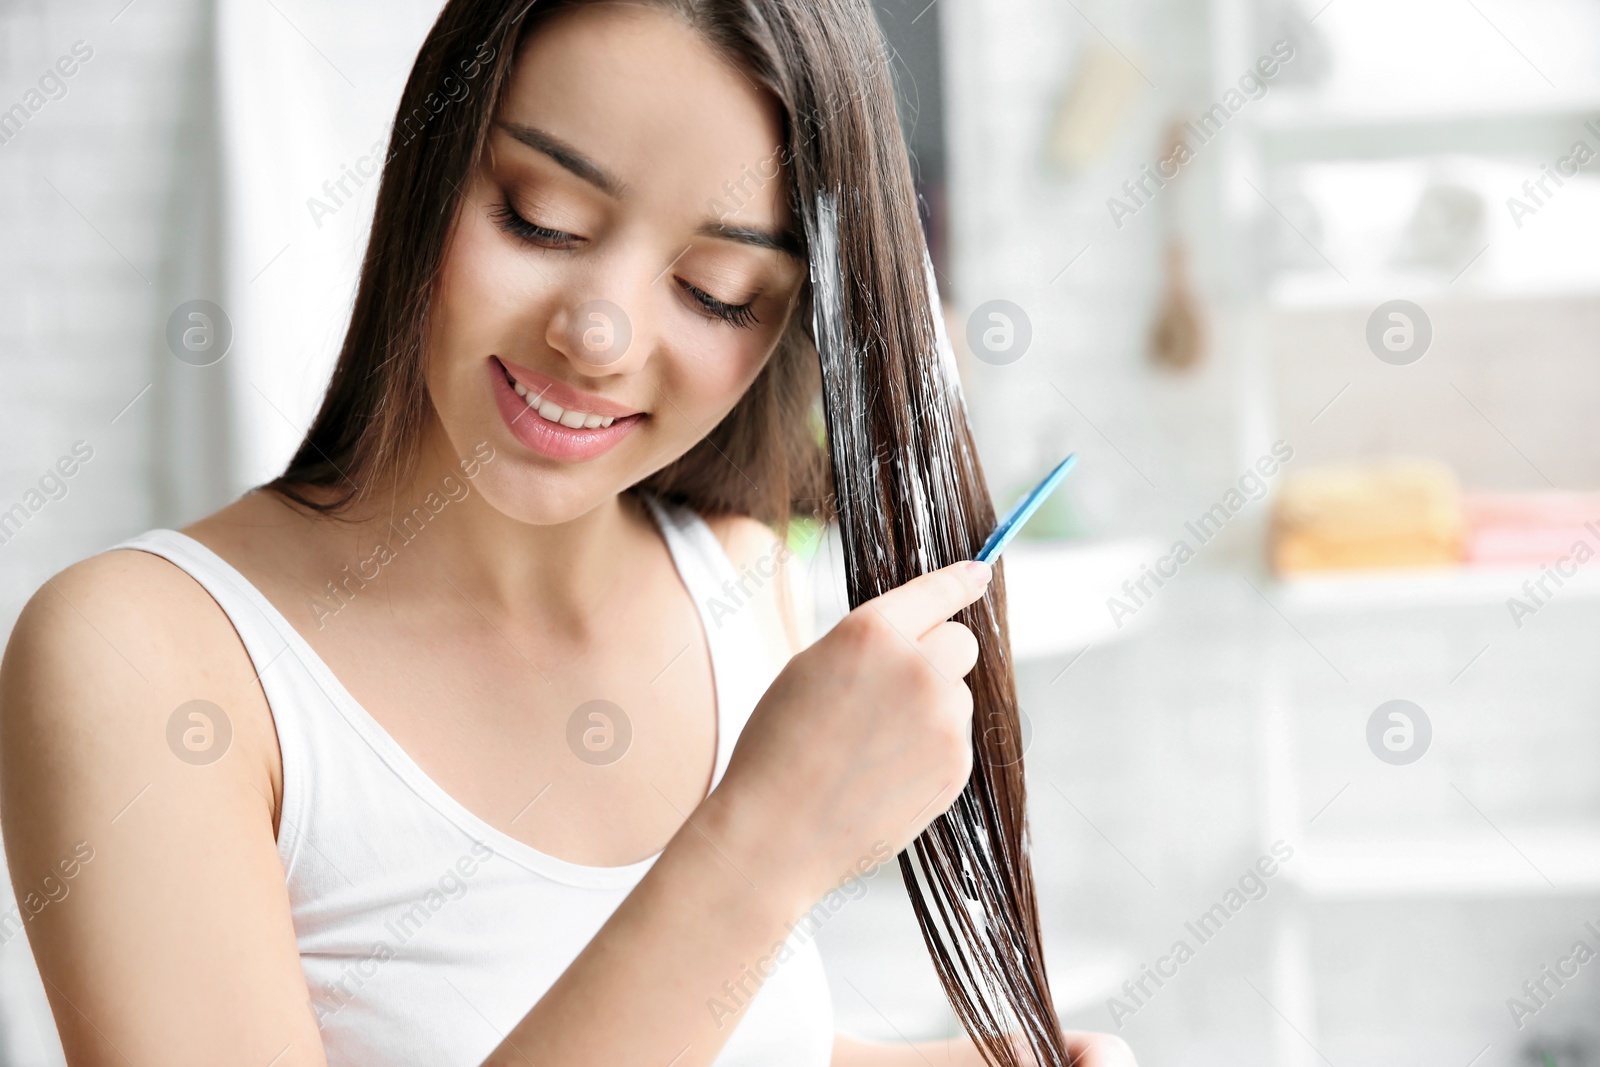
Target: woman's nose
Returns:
[598, 333]
[607, 328]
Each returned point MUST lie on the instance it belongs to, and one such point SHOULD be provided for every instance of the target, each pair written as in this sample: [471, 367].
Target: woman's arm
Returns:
[149, 887]
[642, 990]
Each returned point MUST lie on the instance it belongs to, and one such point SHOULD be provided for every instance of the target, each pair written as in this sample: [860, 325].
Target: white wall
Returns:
[92, 190]
[114, 210]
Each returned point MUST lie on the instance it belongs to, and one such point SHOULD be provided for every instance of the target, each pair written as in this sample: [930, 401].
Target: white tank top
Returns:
[425, 933]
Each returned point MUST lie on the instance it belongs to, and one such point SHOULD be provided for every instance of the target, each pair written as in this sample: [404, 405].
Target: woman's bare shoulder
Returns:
[132, 594]
[134, 734]
[744, 539]
[143, 611]
[765, 566]
[113, 646]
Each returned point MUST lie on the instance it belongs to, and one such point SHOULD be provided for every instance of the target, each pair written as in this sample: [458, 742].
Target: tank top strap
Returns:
[277, 653]
[254, 618]
[743, 664]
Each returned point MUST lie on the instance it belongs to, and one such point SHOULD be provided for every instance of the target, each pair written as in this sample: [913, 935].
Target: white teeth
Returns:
[550, 411]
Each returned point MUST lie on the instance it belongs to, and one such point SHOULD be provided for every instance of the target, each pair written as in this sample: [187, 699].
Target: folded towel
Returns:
[1528, 528]
[1393, 513]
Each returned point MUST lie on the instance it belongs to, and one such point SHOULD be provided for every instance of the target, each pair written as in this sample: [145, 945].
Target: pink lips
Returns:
[549, 438]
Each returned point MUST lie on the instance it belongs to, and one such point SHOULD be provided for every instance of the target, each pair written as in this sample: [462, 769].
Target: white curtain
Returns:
[307, 92]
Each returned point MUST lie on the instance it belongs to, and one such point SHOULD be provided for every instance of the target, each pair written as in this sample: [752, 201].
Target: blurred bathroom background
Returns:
[1311, 287]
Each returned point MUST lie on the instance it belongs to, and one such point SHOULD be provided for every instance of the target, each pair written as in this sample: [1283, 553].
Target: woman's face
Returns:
[621, 265]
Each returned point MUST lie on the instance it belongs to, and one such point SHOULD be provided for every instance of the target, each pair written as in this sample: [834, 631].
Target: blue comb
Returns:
[1023, 511]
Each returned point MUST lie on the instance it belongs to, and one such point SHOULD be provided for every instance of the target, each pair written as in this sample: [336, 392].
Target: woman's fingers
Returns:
[951, 648]
[926, 601]
[1098, 1050]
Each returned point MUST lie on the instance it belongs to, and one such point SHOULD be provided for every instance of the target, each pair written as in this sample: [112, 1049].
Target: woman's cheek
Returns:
[740, 366]
[703, 371]
[470, 294]
[498, 281]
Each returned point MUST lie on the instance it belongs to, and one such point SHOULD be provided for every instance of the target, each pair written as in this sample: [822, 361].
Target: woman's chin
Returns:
[541, 499]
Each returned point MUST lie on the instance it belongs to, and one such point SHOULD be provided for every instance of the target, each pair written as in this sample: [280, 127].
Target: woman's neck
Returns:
[446, 529]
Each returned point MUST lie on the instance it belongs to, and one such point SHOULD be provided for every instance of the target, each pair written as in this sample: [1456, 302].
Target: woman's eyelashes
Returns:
[513, 223]
[742, 315]
[507, 217]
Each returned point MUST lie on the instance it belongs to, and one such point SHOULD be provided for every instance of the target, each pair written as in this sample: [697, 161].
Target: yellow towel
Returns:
[1393, 513]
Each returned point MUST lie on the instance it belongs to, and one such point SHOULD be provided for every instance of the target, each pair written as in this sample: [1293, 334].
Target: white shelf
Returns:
[1424, 587]
[1301, 291]
[1298, 132]
[1528, 861]
[1056, 593]
[1364, 211]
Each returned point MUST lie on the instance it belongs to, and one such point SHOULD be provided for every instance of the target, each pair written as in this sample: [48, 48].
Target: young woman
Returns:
[454, 745]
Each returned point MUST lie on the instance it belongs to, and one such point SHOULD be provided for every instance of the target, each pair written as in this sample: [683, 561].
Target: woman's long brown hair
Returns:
[907, 489]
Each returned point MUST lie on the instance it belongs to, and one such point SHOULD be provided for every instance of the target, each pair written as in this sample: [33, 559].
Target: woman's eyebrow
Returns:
[777, 240]
[572, 160]
[568, 157]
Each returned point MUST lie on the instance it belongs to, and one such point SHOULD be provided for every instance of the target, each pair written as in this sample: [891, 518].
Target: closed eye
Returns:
[507, 218]
[742, 316]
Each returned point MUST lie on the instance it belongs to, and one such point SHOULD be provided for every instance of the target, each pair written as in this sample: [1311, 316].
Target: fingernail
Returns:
[980, 570]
